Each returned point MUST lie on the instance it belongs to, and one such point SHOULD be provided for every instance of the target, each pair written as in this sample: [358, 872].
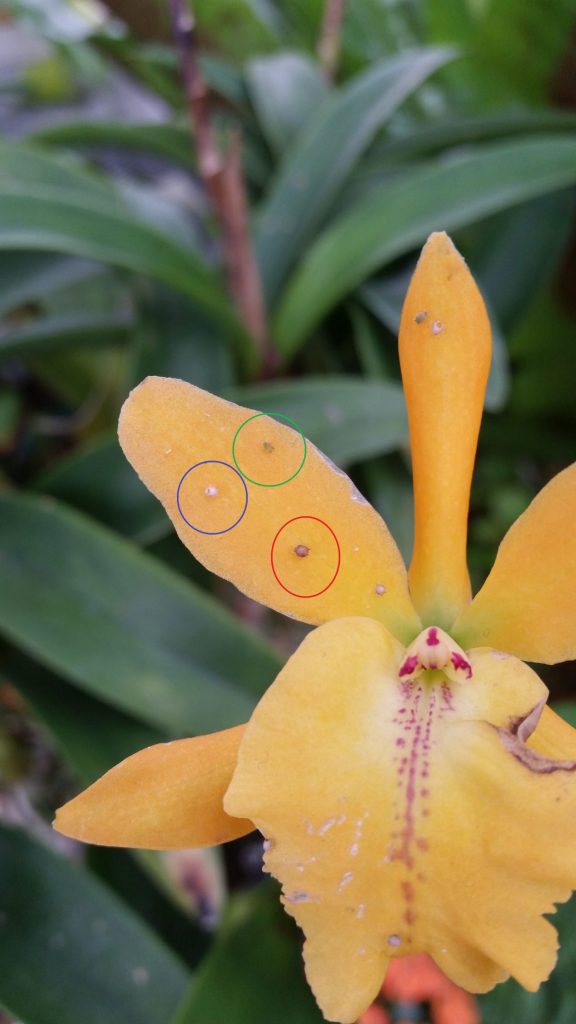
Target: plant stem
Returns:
[222, 176]
[331, 36]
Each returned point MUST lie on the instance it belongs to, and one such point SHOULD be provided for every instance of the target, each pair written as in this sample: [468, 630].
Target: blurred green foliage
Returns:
[445, 114]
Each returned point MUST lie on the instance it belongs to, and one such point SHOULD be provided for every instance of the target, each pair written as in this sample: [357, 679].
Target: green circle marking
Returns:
[281, 417]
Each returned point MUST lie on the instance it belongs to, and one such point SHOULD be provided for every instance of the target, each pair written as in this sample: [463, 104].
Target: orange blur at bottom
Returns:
[417, 979]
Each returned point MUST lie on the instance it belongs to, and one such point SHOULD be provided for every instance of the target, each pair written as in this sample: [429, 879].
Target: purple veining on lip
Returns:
[409, 842]
[460, 664]
[447, 702]
[407, 890]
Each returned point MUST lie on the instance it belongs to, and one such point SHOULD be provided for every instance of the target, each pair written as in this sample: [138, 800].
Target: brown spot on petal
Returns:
[420, 317]
[301, 550]
[267, 446]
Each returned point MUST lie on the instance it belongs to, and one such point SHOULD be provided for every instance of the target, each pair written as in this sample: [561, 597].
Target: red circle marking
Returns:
[329, 584]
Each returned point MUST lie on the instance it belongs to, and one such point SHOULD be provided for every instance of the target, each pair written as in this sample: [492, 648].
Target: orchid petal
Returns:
[307, 543]
[445, 358]
[553, 736]
[165, 797]
[527, 605]
[397, 814]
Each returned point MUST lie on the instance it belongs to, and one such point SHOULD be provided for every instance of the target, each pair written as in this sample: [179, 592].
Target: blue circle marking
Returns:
[212, 462]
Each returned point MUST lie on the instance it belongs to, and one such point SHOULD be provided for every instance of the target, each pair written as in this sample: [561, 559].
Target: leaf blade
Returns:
[90, 958]
[285, 89]
[399, 216]
[324, 155]
[117, 623]
[49, 204]
[254, 966]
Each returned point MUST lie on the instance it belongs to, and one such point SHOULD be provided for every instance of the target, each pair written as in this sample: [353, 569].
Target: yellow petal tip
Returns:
[440, 257]
[65, 823]
[130, 407]
[168, 796]
[439, 240]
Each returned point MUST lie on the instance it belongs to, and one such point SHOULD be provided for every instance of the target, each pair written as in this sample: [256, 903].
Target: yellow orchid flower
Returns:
[415, 792]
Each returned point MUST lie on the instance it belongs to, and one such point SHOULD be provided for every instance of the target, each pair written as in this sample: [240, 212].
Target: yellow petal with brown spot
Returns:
[397, 813]
[165, 797]
[445, 358]
[311, 547]
[528, 603]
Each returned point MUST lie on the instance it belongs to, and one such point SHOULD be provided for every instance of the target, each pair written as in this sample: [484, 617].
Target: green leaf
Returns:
[146, 203]
[224, 79]
[29, 276]
[453, 19]
[521, 44]
[48, 204]
[498, 385]
[10, 415]
[58, 333]
[369, 343]
[98, 480]
[545, 354]
[384, 298]
[57, 21]
[70, 951]
[567, 710]
[374, 27]
[389, 156]
[92, 736]
[285, 89]
[303, 20]
[239, 28]
[326, 152]
[93, 608]
[390, 491]
[254, 974]
[517, 252]
[348, 418]
[176, 339]
[453, 131]
[168, 141]
[90, 383]
[26, 164]
[47, 218]
[399, 216]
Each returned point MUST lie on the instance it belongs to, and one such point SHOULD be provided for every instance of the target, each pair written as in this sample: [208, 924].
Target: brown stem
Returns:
[223, 178]
[331, 36]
